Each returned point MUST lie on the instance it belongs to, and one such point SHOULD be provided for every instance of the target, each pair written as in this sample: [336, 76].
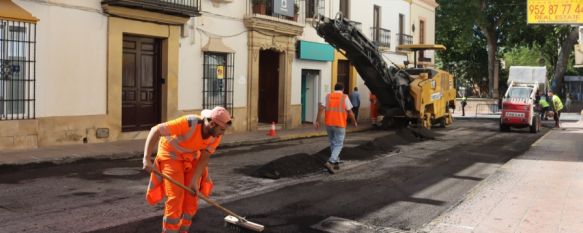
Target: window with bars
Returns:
[218, 80]
[17, 70]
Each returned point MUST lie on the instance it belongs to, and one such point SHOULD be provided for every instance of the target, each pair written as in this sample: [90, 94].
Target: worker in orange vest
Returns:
[374, 108]
[184, 147]
[337, 108]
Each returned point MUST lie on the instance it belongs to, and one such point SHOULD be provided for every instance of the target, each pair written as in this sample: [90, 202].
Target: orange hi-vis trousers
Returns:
[180, 205]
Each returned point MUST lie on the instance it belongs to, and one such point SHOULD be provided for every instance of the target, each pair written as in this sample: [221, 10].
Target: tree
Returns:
[562, 62]
[487, 20]
[499, 26]
[556, 44]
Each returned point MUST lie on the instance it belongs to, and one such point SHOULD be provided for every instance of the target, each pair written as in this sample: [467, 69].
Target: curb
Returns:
[75, 158]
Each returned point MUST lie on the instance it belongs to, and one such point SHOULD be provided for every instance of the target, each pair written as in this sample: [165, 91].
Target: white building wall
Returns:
[224, 21]
[325, 67]
[423, 11]
[362, 11]
[70, 58]
[324, 80]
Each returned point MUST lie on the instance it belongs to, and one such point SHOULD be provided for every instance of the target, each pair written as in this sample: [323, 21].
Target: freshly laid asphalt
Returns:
[539, 191]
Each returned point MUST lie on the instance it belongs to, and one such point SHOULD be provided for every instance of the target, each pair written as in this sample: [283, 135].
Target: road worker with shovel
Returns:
[184, 147]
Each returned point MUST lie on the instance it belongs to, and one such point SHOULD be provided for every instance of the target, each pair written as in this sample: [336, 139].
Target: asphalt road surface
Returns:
[400, 188]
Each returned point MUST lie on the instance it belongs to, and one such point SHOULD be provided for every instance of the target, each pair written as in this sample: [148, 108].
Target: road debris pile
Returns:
[291, 165]
[302, 163]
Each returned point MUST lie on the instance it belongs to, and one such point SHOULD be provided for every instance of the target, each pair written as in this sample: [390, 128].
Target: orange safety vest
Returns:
[374, 112]
[181, 141]
[336, 110]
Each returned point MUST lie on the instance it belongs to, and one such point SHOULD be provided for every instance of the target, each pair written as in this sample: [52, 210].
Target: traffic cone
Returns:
[272, 130]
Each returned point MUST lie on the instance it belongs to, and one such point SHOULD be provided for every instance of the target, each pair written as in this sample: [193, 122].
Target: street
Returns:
[402, 184]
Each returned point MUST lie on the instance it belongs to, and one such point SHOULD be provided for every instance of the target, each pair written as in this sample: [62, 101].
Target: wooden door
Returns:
[141, 83]
[344, 75]
[268, 86]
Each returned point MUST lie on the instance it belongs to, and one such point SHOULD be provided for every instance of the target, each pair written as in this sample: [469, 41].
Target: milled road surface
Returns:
[402, 189]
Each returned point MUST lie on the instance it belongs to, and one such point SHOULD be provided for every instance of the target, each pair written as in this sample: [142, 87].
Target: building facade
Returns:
[96, 71]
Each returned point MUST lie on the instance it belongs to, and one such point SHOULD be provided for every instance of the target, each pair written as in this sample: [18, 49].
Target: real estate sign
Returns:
[554, 11]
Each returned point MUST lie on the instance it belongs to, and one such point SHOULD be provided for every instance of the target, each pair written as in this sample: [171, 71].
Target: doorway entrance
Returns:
[310, 80]
[268, 86]
[141, 83]
[344, 75]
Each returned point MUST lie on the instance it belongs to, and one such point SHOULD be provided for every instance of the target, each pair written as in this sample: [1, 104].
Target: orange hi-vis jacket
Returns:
[181, 141]
[336, 110]
[374, 109]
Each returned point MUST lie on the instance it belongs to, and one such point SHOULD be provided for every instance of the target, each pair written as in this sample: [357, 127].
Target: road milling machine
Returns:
[422, 96]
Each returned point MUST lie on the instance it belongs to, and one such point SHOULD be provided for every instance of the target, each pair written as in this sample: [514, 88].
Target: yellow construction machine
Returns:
[419, 95]
[432, 89]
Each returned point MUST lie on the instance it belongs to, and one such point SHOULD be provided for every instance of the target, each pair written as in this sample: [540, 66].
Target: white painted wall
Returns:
[325, 78]
[217, 20]
[419, 11]
[298, 65]
[362, 11]
[71, 57]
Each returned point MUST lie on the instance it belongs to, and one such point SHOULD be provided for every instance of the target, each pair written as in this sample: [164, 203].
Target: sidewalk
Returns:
[539, 191]
[135, 148]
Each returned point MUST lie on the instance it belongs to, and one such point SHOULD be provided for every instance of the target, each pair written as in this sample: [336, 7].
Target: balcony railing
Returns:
[357, 25]
[404, 38]
[381, 37]
[265, 7]
[188, 8]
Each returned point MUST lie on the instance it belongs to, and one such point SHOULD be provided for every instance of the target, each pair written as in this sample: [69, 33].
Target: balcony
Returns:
[183, 8]
[381, 37]
[404, 39]
[266, 8]
[357, 25]
[287, 20]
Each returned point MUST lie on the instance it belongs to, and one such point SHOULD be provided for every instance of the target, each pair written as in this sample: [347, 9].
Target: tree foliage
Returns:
[472, 28]
[523, 56]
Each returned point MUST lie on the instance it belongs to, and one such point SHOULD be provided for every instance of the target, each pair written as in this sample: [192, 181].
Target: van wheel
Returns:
[535, 126]
[504, 128]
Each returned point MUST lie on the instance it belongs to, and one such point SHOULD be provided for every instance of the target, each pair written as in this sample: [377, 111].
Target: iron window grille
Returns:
[405, 39]
[381, 37]
[218, 80]
[17, 70]
[190, 8]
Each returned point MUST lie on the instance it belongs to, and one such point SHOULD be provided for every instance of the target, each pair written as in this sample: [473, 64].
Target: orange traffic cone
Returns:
[272, 130]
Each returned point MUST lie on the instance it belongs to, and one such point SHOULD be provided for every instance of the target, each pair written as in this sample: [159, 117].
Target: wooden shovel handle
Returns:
[213, 203]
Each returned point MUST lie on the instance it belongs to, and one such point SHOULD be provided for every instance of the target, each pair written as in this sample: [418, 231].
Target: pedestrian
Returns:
[544, 104]
[355, 101]
[557, 106]
[184, 147]
[374, 108]
[336, 111]
[464, 103]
